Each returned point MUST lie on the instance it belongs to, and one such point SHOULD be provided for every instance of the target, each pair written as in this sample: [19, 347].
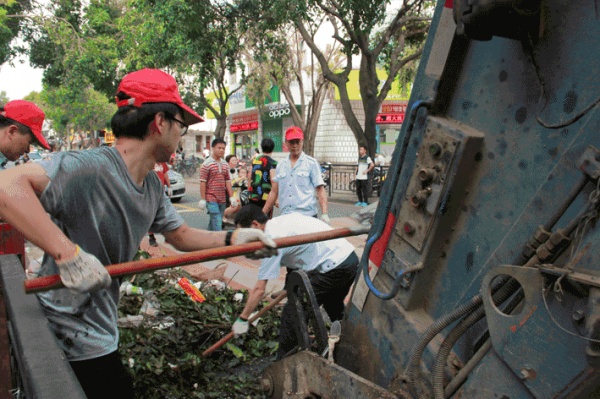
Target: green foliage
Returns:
[197, 41]
[10, 26]
[168, 363]
[87, 109]
[3, 97]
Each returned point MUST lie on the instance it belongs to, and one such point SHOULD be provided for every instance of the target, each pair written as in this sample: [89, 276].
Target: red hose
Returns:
[47, 283]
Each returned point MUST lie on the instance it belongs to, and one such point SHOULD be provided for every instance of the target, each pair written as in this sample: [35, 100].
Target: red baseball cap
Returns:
[28, 114]
[154, 86]
[294, 133]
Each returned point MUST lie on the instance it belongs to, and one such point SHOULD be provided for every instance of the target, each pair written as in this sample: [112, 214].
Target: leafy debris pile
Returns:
[164, 352]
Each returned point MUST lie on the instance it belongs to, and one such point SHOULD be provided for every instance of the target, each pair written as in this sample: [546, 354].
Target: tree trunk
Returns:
[369, 90]
[221, 128]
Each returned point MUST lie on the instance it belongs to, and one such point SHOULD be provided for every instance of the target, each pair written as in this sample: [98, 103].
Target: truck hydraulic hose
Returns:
[386, 202]
[446, 347]
[435, 329]
[502, 290]
[464, 372]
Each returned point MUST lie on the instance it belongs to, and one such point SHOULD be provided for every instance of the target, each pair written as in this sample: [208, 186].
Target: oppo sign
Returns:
[278, 113]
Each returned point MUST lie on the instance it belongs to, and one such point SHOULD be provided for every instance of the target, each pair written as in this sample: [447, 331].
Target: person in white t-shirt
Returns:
[330, 265]
[365, 166]
[379, 160]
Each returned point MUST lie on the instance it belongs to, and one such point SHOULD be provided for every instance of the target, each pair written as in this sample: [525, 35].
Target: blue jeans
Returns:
[215, 211]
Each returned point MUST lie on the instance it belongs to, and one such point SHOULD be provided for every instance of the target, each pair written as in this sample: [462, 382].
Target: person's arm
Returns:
[20, 207]
[254, 297]
[248, 176]
[229, 188]
[202, 190]
[241, 324]
[186, 238]
[371, 166]
[271, 198]
[272, 175]
[322, 197]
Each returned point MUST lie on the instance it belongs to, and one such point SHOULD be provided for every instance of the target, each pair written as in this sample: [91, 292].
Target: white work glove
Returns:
[240, 327]
[169, 191]
[242, 236]
[233, 201]
[325, 218]
[83, 272]
[202, 204]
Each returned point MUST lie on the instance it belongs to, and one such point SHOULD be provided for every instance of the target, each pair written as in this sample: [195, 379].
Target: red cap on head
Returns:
[154, 86]
[294, 133]
[28, 114]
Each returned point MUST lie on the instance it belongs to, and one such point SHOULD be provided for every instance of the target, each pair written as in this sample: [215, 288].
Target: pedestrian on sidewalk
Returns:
[162, 171]
[89, 209]
[263, 173]
[20, 126]
[215, 186]
[232, 161]
[297, 179]
[239, 185]
[331, 267]
[379, 160]
[365, 166]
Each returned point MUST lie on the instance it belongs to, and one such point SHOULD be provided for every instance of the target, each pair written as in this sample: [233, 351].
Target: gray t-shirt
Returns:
[95, 202]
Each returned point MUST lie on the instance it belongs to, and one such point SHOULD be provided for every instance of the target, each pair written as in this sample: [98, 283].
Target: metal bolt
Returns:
[528, 374]
[578, 316]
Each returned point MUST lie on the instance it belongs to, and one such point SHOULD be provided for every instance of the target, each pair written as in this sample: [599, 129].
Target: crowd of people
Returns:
[90, 209]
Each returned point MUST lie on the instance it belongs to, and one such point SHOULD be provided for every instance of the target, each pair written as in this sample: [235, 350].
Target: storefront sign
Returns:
[394, 108]
[278, 111]
[389, 118]
[242, 127]
[237, 119]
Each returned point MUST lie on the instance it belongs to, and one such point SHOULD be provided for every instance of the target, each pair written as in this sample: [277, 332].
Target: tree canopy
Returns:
[214, 47]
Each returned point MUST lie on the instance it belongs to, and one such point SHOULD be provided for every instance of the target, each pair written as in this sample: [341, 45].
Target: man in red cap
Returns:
[20, 126]
[89, 209]
[296, 179]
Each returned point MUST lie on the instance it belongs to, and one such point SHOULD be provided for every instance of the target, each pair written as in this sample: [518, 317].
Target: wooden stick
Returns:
[149, 265]
[227, 337]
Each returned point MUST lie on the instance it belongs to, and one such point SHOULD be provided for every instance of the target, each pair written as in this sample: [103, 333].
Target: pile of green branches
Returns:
[164, 353]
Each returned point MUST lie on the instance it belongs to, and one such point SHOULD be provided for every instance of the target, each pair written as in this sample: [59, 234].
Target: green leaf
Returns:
[237, 352]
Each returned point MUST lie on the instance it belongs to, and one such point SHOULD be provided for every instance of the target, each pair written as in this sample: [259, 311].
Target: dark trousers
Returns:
[362, 190]
[104, 377]
[330, 290]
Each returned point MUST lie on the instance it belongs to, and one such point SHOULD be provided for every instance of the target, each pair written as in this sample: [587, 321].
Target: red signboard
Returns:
[389, 118]
[242, 127]
[240, 119]
[394, 108]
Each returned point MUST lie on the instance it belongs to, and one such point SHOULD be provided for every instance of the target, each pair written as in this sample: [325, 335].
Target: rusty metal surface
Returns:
[307, 375]
[43, 368]
[5, 370]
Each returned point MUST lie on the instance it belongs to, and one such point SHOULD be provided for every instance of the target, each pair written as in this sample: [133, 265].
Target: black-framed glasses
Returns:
[184, 126]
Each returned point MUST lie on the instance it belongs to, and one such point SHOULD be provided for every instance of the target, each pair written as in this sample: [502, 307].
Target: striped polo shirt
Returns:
[215, 174]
